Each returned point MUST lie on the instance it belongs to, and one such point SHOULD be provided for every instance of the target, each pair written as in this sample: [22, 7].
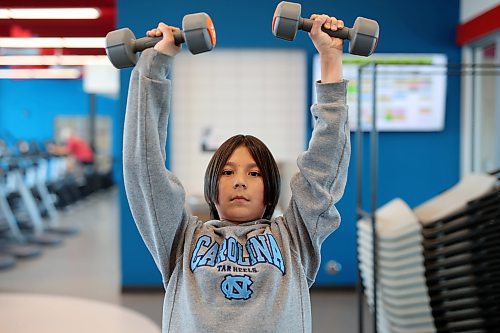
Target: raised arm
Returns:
[321, 180]
[155, 195]
[329, 48]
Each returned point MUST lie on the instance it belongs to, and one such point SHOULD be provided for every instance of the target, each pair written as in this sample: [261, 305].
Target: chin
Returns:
[240, 216]
[240, 219]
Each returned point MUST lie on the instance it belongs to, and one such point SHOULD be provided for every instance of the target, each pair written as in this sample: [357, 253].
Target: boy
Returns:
[242, 271]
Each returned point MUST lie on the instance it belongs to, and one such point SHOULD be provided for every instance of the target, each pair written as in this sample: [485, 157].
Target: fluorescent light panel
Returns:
[48, 73]
[49, 13]
[54, 60]
[53, 42]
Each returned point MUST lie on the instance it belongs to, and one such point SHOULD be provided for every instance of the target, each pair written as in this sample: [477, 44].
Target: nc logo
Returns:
[237, 287]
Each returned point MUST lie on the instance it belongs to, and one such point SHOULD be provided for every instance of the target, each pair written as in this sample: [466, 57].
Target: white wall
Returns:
[472, 8]
[242, 91]
[471, 141]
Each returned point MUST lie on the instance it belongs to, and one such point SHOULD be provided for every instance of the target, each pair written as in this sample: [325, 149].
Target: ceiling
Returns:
[61, 28]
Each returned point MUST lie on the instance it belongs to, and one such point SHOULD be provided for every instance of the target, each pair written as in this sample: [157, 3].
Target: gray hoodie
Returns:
[219, 276]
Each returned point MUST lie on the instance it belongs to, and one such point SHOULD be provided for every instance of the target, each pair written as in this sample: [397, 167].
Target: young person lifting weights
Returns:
[244, 270]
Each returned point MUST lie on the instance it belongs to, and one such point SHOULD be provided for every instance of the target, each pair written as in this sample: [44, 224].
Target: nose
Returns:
[239, 181]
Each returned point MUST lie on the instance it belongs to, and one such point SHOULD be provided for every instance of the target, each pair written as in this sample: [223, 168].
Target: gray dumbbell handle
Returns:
[306, 25]
[146, 42]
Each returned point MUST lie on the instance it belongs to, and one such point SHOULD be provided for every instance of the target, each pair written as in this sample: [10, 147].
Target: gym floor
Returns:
[87, 266]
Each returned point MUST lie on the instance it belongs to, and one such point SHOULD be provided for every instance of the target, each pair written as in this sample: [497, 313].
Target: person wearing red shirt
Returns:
[80, 149]
[74, 146]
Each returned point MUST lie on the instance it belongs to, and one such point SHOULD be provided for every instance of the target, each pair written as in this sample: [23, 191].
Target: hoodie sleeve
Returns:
[311, 216]
[155, 195]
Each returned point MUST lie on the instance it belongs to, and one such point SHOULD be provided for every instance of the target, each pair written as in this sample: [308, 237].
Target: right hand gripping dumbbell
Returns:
[197, 32]
[363, 36]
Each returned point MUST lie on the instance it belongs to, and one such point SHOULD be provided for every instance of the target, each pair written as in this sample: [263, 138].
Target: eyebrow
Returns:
[251, 165]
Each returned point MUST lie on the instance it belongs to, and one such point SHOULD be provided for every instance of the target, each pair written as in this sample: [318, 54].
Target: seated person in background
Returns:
[78, 151]
[74, 146]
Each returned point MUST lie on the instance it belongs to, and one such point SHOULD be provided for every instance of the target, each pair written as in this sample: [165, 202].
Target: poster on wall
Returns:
[410, 91]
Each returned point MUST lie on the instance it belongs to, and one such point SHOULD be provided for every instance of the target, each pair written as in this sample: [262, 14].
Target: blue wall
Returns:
[413, 166]
[28, 107]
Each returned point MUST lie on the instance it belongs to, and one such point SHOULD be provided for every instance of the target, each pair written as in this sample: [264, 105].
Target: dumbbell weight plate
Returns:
[364, 38]
[286, 21]
[199, 32]
[119, 53]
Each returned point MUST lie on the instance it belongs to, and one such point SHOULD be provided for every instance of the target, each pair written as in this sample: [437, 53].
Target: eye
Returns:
[227, 172]
[254, 173]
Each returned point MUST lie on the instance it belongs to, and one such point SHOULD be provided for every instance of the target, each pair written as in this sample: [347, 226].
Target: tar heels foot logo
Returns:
[237, 287]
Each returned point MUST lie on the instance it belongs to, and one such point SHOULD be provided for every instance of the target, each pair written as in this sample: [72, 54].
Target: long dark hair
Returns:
[265, 161]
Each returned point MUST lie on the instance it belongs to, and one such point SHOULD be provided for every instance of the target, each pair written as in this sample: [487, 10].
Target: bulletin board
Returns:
[411, 91]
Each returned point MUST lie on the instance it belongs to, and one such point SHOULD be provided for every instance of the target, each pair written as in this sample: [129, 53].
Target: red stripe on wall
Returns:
[479, 26]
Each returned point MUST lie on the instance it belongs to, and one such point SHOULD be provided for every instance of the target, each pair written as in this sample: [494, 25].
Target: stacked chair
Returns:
[438, 264]
[461, 240]
[402, 296]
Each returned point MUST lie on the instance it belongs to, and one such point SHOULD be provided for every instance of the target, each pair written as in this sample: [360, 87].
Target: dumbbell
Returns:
[197, 32]
[363, 36]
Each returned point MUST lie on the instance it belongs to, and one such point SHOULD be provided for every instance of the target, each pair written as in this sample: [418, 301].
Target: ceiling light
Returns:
[54, 60]
[53, 42]
[45, 73]
[49, 13]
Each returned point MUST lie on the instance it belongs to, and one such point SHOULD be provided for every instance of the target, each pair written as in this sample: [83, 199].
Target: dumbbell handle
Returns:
[146, 42]
[306, 25]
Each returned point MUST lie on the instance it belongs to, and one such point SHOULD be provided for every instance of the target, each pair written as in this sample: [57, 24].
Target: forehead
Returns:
[241, 155]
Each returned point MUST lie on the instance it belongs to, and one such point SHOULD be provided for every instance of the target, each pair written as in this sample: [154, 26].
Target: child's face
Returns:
[241, 188]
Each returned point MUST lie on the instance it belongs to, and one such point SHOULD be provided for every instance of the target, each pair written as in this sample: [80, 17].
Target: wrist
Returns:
[331, 68]
[331, 56]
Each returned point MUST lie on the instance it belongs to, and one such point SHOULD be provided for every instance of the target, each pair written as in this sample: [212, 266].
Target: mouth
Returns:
[239, 198]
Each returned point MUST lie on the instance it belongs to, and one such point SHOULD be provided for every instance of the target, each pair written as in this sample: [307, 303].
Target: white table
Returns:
[29, 313]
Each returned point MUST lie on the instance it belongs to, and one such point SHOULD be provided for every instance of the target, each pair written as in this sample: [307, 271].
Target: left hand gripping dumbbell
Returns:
[197, 32]
[363, 36]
